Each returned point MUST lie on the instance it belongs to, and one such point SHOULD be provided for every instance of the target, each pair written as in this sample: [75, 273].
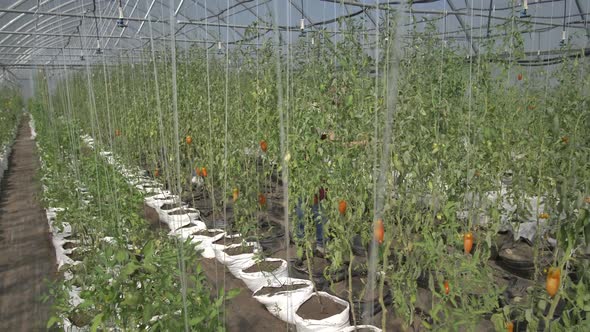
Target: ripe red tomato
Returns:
[342, 207]
[519, 77]
[447, 287]
[510, 327]
[263, 145]
[379, 231]
[468, 242]
[552, 282]
[261, 199]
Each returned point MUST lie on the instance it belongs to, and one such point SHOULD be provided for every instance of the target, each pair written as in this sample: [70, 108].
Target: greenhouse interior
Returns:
[294, 165]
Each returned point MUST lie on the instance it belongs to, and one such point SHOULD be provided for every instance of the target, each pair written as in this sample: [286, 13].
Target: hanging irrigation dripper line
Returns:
[112, 181]
[177, 152]
[69, 108]
[283, 148]
[225, 140]
[210, 141]
[563, 29]
[36, 27]
[468, 134]
[93, 124]
[376, 106]
[392, 77]
[162, 151]
[370, 294]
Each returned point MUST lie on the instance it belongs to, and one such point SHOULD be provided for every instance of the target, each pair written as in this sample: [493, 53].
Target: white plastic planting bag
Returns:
[335, 323]
[158, 200]
[185, 232]
[217, 247]
[32, 126]
[358, 327]
[283, 304]
[256, 280]
[205, 243]
[61, 256]
[236, 263]
[4, 159]
[178, 217]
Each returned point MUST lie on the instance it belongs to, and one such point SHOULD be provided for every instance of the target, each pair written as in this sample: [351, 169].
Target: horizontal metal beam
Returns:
[38, 47]
[60, 55]
[99, 17]
[46, 65]
[116, 37]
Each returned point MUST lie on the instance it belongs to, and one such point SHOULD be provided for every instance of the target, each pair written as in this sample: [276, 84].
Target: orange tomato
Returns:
[189, 140]
[204, 172]
[263, 145]
[117, 132]
[519, 77]
[261, 199]
[552, 282]
[236, 193]
[157, 172]
[565, 139]
[467, 242]
[510, 327]
[342, 207]
[198, 170]
[379, 231]
[447, 287]
[544, 216]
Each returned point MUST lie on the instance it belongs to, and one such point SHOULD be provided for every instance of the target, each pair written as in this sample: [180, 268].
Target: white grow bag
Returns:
[335, 323]
[236, 263]
[205, 243]
[217, 247]
[283, 304]
[186, 232]
[4, 159]
[367, 327]
[156, 201]
[257, 280]
[175, 221]
[149, 188]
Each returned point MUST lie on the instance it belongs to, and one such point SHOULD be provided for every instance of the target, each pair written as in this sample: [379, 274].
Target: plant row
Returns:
[116, 272]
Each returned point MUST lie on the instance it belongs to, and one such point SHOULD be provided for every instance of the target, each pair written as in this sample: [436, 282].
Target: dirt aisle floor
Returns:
[27, 259]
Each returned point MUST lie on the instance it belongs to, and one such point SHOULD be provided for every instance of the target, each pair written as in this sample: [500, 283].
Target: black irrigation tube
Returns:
[546, 61]
[552, 61]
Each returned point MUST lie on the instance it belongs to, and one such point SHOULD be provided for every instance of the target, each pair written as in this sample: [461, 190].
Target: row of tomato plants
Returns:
[127, 274]
[458, 127]
[11, 104]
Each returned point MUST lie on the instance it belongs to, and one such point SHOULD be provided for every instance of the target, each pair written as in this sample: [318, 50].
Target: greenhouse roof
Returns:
[69, 32]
